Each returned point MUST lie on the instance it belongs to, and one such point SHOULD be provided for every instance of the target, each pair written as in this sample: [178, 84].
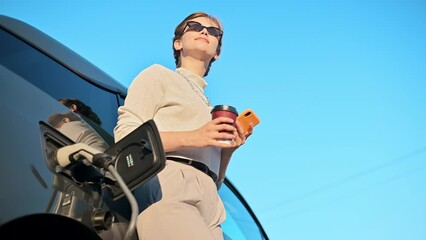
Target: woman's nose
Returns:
[204, 31]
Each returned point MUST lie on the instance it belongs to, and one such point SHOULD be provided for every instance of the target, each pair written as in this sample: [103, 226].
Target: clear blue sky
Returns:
[340, 87]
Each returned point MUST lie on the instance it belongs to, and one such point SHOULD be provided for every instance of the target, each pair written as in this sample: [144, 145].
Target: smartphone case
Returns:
[246, 117]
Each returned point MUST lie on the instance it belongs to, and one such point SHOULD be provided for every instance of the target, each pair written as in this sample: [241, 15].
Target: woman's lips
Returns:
[202, 39]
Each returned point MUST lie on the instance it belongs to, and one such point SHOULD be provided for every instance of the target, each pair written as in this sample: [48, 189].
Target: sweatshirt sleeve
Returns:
[144, 98]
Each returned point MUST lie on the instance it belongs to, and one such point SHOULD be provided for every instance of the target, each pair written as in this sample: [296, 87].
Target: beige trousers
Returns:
[189, 209]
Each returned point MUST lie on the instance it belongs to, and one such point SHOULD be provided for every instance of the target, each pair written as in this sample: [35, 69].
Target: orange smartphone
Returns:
[246, 117]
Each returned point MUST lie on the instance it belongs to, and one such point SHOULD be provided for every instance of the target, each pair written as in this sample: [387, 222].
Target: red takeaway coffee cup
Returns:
[224, 111]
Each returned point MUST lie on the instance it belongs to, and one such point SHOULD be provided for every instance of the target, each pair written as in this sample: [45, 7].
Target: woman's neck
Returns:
[195, 66]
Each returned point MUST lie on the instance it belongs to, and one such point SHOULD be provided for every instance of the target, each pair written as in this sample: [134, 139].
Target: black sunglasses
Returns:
[196, 26]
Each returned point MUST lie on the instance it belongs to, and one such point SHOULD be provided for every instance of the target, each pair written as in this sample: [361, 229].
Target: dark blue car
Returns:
[49, 197]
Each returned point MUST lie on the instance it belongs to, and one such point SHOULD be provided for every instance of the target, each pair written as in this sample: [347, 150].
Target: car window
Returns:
[239, 222]
[56, 80]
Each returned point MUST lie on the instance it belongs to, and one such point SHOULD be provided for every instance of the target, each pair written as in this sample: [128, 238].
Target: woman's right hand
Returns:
[212, 131]
[207, 135]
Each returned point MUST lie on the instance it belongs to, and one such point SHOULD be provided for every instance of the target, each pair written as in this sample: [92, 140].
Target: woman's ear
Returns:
[216, 57]
[177, 45]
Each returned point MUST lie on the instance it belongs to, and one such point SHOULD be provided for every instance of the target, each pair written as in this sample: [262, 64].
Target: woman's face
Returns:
[201, 45]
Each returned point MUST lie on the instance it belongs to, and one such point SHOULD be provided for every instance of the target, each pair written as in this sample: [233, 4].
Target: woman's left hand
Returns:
[240, 138]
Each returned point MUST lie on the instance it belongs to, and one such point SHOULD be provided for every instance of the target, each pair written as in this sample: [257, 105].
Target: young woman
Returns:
[182, 201]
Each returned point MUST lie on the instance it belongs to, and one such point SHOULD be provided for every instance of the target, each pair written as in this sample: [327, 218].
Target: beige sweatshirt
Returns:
[174, 102]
